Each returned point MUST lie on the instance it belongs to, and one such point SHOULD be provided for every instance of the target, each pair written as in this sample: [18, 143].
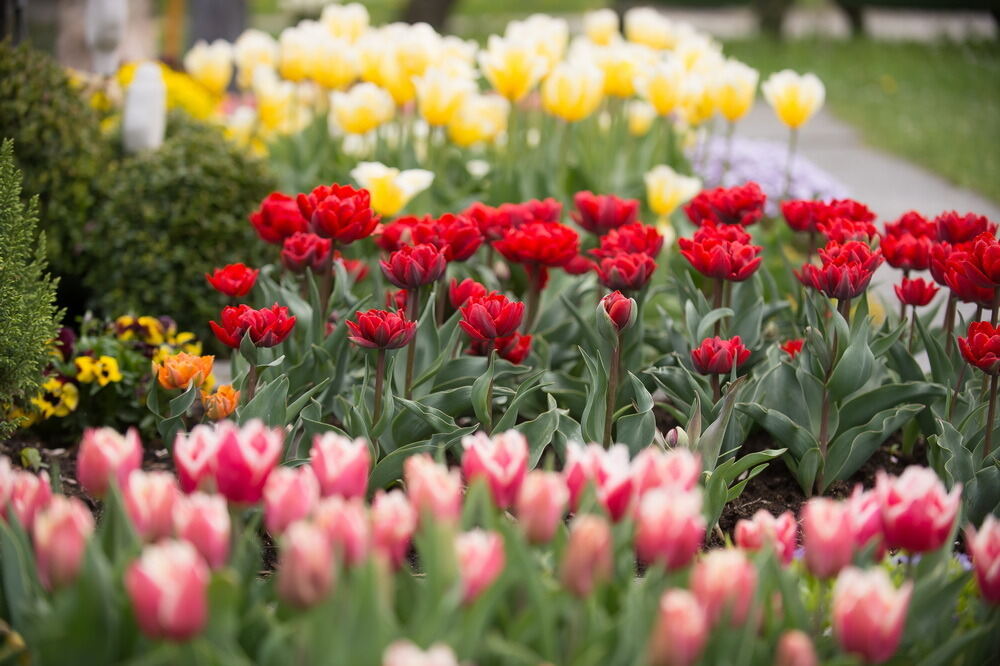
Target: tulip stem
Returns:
[609, 412]
[413, 307]
[812, 246]
[991, 417]
[379, 381]
[913, 328]
[442, 300]
[326, 290]
[949, 323]
[716, 388]
[720, 290]
[844, 308]
[728, 160]
[488, 427]
[793, 143]
[534, 296]
[995, 314]
[251, 384]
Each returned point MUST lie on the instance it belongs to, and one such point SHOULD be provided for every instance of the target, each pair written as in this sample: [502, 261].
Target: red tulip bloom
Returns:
[459, 293]
[907, 252]
[956, 270]
[731, 233]
[954, 228]
[457, 236]
[379, 329]
[491, 224]
[913, 224]
[938, 265]
[535, 210]
[304, 250]
[414, 266]
[277, 218]
[579, 265]
[490, 317]
[397, 234]
[514, 348]
[339, 212]
[842, 229]
[356, 269]
[620, 310]
[743, 205]
[234, 280]
[540, 244]
[396, 300]
[981, 347]
[267, 327]
[634, 238]
[600, 213]
[626, 271]
[983, 261]
[806, 215]
[917, 292]
[716, 356]
[792, 347]
[716, 258]
[846, 270]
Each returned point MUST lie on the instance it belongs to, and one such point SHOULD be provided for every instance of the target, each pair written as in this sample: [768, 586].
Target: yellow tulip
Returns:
[439, 95]
[573, 90]
[601, 26]
[481, 118]
[621, 64]
[662, 84]
[362, 108]
[512, 68]
[697, 103]
[666, 189]
[390, 188]
[211, 64]
[254, 48]
[647, 26]
[347, 22]
[640, 117]
[296, 54]
[734, 87]
[794, 97]
[333, 63]
[281, 105]
[548, 36]
[699, 53]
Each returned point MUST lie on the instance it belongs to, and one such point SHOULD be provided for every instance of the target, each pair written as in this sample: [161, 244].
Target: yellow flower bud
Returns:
[601, 26]
[390, 188]
[512, 68]
[734, 87]
[621, 64]
[794, 97]
[211, 65]
[573, 90]
[666, 189]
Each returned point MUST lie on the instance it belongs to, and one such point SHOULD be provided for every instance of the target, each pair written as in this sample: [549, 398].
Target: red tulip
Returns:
[106, 456]
[168, 586]
[245, 458]
[869, 613]
[600, 213]
[866, 521]
[983, 264]
[981, 347]
[827, 536]
[620, 310]
[394, 520]
[669, 527]
[203, 521]
[954, 228]
[675, 469]
[608, 469]
[533, 210]
[780, 534]
[742, 205]
[195, 455]
[338, 212]
[379, 329]
[356, 269]
[150, 498]
[290, 494]
[716, 356]
[541, 505]
[234, 280]
[841, 230]
[907, 252]
[413, 266]
[457, 236]
[846, 270]
[792, 347]
[60, 536]
[345, 523]
[808, 215]
[341, 465]
[481, 560]
[491, 224]
[716, 258]
[459, 293]
[539, 244]
[587, 561]
[628, 272]
[633, 238]
[278, 218]
[911, 223]
[917, 292]
[305, 566]
[434, 490]
[917, 512]
[490, 317]
[724, 582]
[304, 250]
[680, 632]
[984, 547]
[29, 494]
[579, 265]
[795, 648]
[956, 271]
[396, 300]
[514, 347]
[267, 327]
[501, 460]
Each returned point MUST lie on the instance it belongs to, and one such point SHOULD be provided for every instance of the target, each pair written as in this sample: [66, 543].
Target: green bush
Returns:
[165, 218]
[28, 316]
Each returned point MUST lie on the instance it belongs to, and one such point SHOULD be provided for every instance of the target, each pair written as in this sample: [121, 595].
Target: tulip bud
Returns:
[677, 438]
[501, 460]
[405, 653]
[827, 536]
[341, 465]
[345, 523]
[778, 533]
[669, 527]
[60, 535]
[680, 632]
[481, 560]
[917, 512]
[984, 547]
[795, 648]
[203, 521]
[168, 586]
[432, 488]
[149, 500]
[144, 117]
[676, 469]
[869, 613]
[541, 505]
[29, 494]
[194, 455]
[289, 495]
[245, 458]
[724, 582]
[305, 569]
[106, 456]
[617, 310]
[221, 404]
[394, 520]
[588, 559]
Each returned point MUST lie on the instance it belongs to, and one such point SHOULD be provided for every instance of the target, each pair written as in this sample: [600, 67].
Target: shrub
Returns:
[27, 293]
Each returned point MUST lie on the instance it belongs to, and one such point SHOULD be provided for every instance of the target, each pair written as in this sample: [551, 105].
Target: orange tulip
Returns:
[180, 370]
[220, 404]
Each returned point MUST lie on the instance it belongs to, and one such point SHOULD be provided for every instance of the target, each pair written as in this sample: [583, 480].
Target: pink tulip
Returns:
[680, 632]
[481, 560]
[432, 488]
[724, 582]
[245, 458]
[194, 455]
[795, 648]
[780, 534]
[149, 501]
[984, 547]
[168, 586]
[608, 469]
[827, 536]
[7, 474]
[29, 494]
[341, 465]
[541, 505]
[106, 455]
[669, 527]
[60, 534]
[405, 653]
[394, 520]
[290, 494]
[866, 521]
[203, 521]
[305, 568]
[869, 613]
[588, 557]
[676, 468]
[501, 460]
[917, 513]
[345, 523]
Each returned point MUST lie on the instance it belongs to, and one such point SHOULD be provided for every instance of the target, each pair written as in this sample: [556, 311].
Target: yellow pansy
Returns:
[390, 188]
[103, 370]
[573, 90]
[57, 398]
[794, 97]
[666, 189]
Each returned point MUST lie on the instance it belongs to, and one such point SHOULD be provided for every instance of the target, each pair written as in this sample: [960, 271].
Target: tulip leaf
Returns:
[21, 588]
[539, 431]
[862, 407]
[593, 342]
[268, 404]
[292, 411]
[482, 395]
[853, 370]
[852, 447]
[525, 388]
[708, 322]
[637, 430]
[710, 442]
[592, 420]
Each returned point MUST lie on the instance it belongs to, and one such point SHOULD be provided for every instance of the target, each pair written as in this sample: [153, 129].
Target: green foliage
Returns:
[168, 217]
[28, 316]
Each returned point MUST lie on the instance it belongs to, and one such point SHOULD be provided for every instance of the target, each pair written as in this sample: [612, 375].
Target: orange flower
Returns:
[180, 370]
[220, 404]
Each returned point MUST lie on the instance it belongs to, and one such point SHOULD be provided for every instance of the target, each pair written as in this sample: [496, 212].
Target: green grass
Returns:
[935, 104]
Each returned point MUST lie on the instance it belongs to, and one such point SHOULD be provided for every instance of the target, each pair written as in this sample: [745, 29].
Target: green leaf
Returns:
[852, 448]
[862, 407]
[482, 398]
[292, 412]
[637, 430]
[853, 370]
[390, 468]
[539, 431]
[784, 430]
[707, 323]
[592, 420]
[268, 404]
[525, 388]
[710, 442]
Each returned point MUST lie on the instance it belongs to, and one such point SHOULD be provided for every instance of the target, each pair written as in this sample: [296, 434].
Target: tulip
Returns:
[827, 535]
[845, 272]
[680, 631]
[181, 370]
[234, 280]
[666, 190]
[743, 205]
[866, 520]
[195, 455]
[60, 534]
[391, 189]
[907, 252]
[433, 489]
[266, 327]
[954, 228]
[724, 581]
[676, 469]
[347, 22]
[794, 97]
[150, 498]
[440, 95]
[278, 218]
[304, 250]
[106, 456]
[501, 460]
[795, 648]
[869, 613]
[792, 347]
[290, 494]
[984, 547]
[168, 586]
[660, 84]
[8, 476]
[621, 64]
[480, 119]
[720, 259]
[203, 521]
[481, 560]
[541, 505]
[779, 533]
[540, 244]
[460, 293]
[211, 65]
[244, 460]
[338, 212]
[490, 317]
[361, 109]
[405, 653]
[915, 292]
[600, 25]
[253, 48]
[917, 512]
[911, 223]
[600, 213]
[587, 561]
[514, 348]
[341, 465]
[955, 275]
[305, 566]
[512, 67]
[840, 230]
[621, 311]
[609, 469]
[222, 403]
[640, 116]
[414, 266]
[647, 26]
[636, 238]
[716, 356]
[379, 329]
[734, 88]
[345, 523]
[457, 236]
[144, 114]
[808, 215]
[573, 90]
[983, 265]
[625, 271]
[394, 520]
[28, 494]
[669, 527]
